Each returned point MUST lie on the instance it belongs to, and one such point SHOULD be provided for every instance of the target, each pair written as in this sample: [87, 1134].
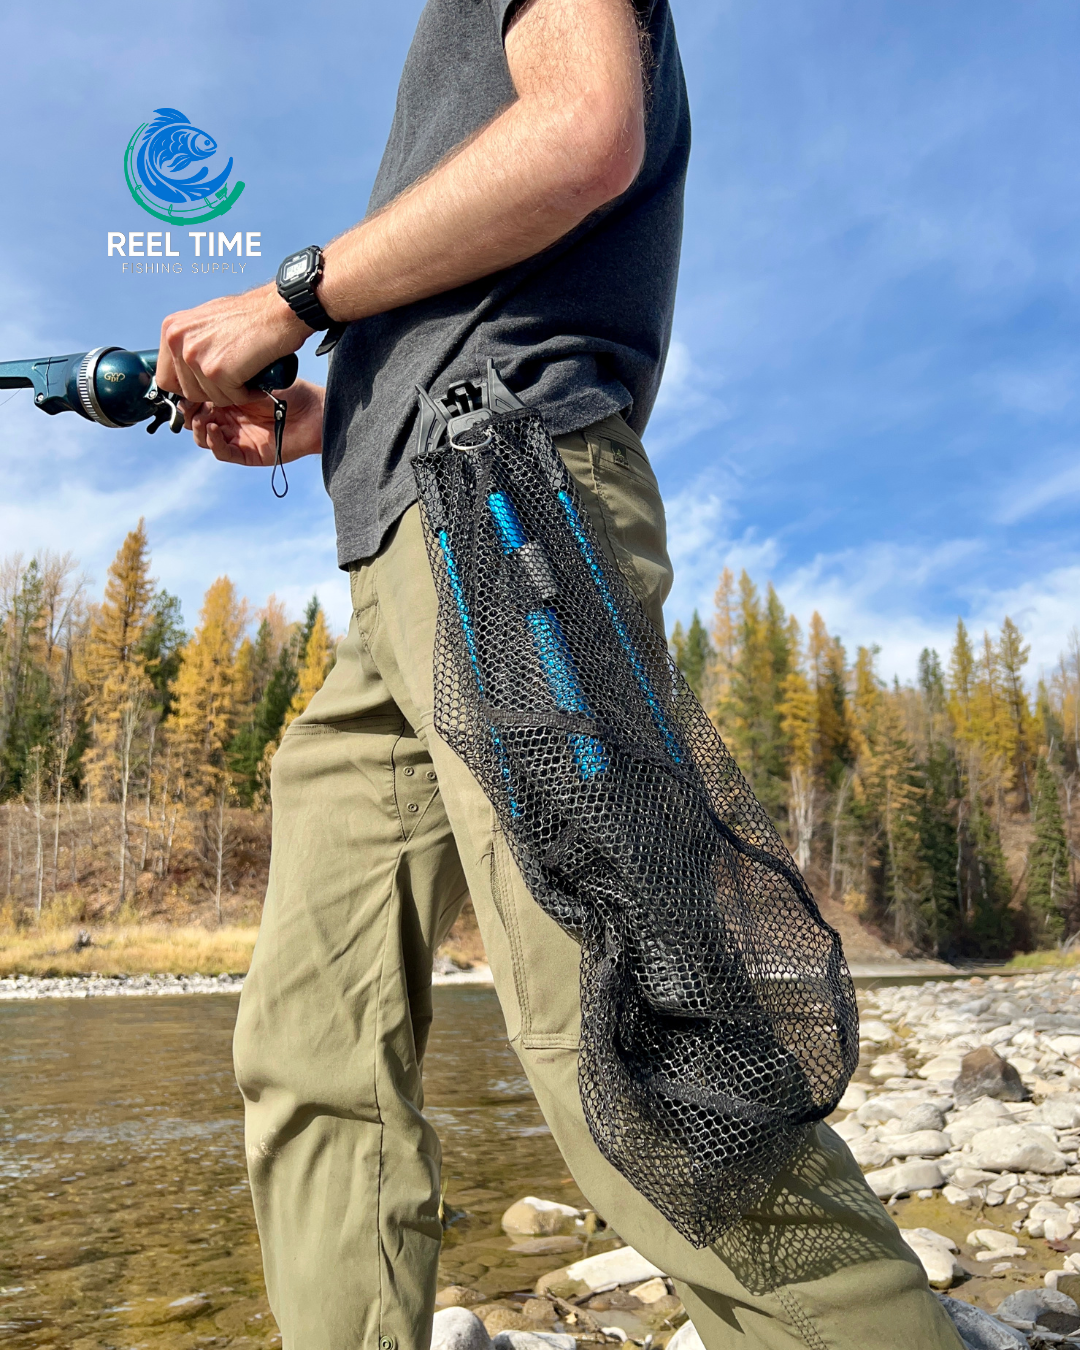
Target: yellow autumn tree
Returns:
[798, 722]
[316, 663]
[207, 704]
[119, 690]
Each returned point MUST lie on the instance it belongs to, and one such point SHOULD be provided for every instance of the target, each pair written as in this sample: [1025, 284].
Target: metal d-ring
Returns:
[472, 445]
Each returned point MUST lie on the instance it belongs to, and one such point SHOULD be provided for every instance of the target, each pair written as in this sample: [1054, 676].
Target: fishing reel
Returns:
[118, 388]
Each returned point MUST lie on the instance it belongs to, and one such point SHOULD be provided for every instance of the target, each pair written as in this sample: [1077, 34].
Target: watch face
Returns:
[295, 267]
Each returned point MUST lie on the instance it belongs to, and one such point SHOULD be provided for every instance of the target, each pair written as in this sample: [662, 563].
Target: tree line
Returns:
[114, 707]
[940, 811]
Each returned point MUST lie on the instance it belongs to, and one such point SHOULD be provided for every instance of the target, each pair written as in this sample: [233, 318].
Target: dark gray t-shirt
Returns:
[579, 331]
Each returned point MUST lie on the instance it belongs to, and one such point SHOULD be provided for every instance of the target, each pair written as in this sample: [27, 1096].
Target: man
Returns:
[528, 208]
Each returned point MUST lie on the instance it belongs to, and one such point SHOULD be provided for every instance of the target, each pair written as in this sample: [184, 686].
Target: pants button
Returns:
[387, 1343]
[430, 775]
[412, 806]
[408, 772]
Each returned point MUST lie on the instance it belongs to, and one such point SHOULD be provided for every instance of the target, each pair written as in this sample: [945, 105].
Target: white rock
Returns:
[925, 1116]
[1015, 1148]
[999, 1252]
[538, 1217]
[535, 1340]
[955, 1195]
[686, 1338]
[981, 1115]
[921, 1144]
[972, 1176]
[1067, 1046]
[1061, 1113]
[1000, 1035]
[877, 1110]
[941, 1069]
[854, 1096]
[990, 1237]
[1046, 1209]
[904, 1178]
[888, 1066]
[651, 1290]
[850, 1129]
[458, 1329]
[935, 1254]
[867, 1152]
[1066, 1188]
[610, 1269]
[877, 1032]
[1058, 1230]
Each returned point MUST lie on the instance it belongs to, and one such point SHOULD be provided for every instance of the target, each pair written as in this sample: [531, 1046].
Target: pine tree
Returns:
[986, 887]
[161, 644]
[25, 711]
[694, 654]
[1049, 890]
[1012, 657]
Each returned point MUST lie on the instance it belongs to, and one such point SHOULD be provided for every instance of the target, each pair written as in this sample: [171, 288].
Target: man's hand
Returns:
[244, 433]
[207, 353]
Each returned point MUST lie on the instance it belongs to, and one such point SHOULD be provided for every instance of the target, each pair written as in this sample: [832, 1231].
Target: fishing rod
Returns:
[118, 388]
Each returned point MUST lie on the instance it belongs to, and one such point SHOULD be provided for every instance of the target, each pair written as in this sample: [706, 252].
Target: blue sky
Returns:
[872, 393]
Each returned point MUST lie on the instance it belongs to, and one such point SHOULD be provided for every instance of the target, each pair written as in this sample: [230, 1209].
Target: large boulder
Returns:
[1015, 1148]
[983, 1073]
[458, 1329]
[539, 1218]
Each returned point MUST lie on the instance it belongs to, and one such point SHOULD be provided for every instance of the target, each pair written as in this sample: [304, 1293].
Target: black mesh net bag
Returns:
[718, 1015]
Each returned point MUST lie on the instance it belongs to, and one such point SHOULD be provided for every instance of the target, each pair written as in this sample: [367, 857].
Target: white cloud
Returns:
[1019, 502]
[686, 404]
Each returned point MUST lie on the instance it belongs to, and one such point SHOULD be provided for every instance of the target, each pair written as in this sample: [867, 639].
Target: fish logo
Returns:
[160, 169]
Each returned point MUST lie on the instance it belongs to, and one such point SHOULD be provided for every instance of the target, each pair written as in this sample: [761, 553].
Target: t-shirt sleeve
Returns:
[504, 11]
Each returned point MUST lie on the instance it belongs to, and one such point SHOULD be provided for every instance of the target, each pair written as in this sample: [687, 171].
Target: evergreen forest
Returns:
[941, 812]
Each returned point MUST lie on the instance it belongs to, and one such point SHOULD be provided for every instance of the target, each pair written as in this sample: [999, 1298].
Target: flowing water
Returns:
[125, 1217]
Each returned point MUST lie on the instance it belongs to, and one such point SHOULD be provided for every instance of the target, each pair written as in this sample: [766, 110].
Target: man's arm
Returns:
[572, 141]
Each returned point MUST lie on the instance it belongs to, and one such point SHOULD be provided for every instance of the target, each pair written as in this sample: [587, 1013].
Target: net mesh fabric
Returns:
[718, 1015]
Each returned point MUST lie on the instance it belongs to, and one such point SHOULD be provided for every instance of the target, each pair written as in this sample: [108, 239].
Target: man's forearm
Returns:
[572, 141]
[566, 147]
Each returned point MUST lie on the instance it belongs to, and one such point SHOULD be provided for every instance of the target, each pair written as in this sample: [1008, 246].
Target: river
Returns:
[125, 1217]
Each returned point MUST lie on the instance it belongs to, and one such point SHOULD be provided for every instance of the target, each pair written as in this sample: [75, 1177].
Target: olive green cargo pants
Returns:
[379, 833]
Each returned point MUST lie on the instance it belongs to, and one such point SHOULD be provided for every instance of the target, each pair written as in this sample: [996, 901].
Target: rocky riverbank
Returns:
[965, 1116]
[19, 987]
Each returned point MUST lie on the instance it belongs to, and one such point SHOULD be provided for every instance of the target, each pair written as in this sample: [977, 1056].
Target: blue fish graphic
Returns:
[170, 145]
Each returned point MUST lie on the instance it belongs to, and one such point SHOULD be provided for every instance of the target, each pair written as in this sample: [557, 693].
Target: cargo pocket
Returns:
[620, 492]
[546, 961]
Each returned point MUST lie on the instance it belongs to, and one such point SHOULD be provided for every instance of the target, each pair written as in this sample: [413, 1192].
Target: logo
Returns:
[157, 166]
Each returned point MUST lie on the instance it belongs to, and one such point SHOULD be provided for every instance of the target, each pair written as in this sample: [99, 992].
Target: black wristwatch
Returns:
[297, 278]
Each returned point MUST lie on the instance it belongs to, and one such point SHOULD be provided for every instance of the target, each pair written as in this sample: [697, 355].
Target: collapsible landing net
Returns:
[718, 1015]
